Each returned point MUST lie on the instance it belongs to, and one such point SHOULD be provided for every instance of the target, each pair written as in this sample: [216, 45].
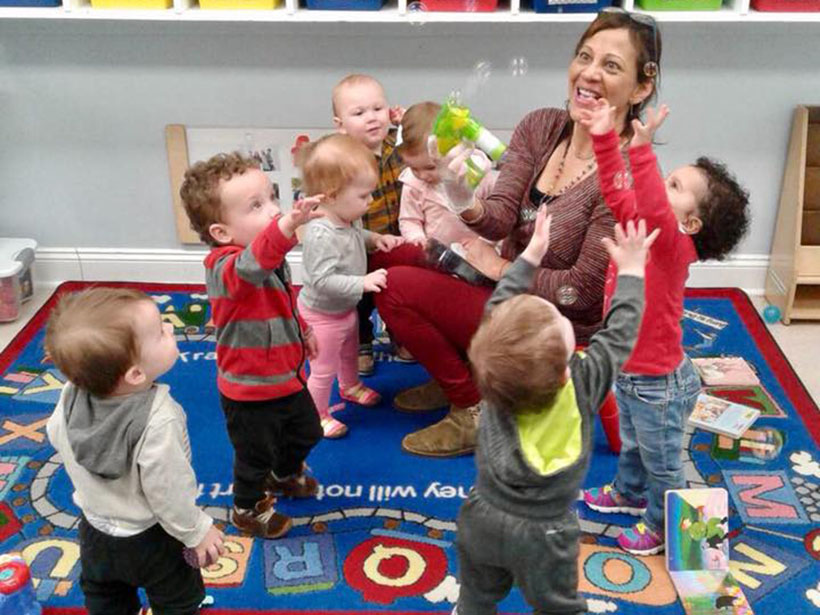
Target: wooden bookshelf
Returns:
[793, 281]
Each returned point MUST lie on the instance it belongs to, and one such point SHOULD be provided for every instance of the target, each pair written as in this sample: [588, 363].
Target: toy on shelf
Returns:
[16, 591]
[454, 124]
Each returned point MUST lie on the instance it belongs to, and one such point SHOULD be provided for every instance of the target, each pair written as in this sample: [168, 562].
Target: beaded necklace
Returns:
[549, 193]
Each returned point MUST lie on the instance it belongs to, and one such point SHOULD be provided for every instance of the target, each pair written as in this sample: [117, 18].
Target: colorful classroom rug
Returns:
[379, 537]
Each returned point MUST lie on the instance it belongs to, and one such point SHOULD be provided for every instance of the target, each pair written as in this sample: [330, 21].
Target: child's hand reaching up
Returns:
[304, 210]
[375, 281]
[540, 241]
[600, 120]
[644, 133]
[630, 248]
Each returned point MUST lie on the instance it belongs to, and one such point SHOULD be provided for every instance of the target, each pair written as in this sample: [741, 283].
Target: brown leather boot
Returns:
[422, 398]
[300, 485]
[453, 435]
[262, 520]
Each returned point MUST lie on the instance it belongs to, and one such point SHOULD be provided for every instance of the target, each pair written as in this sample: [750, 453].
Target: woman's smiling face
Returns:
[605, 67]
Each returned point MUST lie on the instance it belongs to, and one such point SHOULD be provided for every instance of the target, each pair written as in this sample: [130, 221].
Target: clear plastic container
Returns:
[11, 297]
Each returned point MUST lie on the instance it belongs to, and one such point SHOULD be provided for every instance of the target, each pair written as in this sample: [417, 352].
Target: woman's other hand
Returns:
[482, 255]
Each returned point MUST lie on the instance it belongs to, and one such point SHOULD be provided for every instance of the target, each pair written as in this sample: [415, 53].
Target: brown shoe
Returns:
[367, 364]
[262, 520]
[402, 355]
[299, 485]
[453, 435]
[422, 398]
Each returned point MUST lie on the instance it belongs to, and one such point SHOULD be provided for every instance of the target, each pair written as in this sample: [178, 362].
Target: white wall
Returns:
[83, 105]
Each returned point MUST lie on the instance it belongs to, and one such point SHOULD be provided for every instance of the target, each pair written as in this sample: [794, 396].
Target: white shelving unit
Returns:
[187, 10]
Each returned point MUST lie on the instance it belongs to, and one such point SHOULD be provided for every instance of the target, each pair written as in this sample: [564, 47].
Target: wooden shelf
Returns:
[793, 281]
[736, 11]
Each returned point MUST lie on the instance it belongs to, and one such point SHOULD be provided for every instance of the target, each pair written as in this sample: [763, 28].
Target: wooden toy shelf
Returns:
[793, 281]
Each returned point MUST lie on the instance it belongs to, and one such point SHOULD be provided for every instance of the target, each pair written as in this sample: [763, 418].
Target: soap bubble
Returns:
[482, 71]
[519, 66]
[417, 13]
[478, 78]
[566, 295]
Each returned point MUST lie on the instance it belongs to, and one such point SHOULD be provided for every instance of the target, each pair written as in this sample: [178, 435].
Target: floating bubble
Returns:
[478, 77]
[566, 295]
[519, 66]
[482, 71]
[417, 13]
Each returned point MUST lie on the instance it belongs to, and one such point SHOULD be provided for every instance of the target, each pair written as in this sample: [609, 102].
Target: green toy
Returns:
[453, 125]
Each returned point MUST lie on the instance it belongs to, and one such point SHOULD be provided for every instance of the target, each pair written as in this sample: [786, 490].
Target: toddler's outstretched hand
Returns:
[540, 241]
[375, 281]
[304, 210]
[599, 120]
[644, 133]
[385, 243]
[630, 247]
[396, 112]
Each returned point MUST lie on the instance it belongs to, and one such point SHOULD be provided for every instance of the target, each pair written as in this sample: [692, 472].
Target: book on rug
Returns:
[721, 416]
[718, 371]
[697, 552]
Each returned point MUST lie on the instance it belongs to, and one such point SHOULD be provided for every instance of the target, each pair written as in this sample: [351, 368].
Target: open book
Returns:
[697, 553]
[719, 371]
[722, 416]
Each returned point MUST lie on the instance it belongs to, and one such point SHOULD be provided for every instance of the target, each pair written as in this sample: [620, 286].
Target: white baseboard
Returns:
[54, 265]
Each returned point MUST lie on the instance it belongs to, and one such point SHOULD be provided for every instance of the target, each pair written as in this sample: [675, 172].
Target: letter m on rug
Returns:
[764, 497]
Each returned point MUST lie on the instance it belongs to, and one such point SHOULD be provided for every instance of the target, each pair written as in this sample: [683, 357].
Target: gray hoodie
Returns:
[129, 460]
[505, 478]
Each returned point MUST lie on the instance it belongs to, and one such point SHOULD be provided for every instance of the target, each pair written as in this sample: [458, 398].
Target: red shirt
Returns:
[659, 349]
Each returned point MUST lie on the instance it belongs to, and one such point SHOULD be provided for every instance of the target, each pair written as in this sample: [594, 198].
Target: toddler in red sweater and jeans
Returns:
[702, 213]
[261, 340]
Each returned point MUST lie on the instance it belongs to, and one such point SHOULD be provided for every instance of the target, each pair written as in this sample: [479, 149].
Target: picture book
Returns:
[697, 553]
[721, 416]
[717, 371]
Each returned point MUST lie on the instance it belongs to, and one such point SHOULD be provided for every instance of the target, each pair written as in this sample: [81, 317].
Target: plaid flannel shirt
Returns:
[383, 212]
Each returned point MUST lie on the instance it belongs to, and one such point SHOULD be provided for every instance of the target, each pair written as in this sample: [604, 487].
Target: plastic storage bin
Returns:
[569, 6]
[16, 259]
[132, 4]
[786, 6]
[680, 5]
[461, 6]
[345, 5]
[47, 3]
[255, 5]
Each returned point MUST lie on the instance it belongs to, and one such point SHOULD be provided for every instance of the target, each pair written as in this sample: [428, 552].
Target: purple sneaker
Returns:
[640, 540]
[606, 500]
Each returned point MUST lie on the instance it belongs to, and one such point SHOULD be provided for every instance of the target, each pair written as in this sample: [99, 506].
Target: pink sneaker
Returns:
[606, 500]
[640, 540]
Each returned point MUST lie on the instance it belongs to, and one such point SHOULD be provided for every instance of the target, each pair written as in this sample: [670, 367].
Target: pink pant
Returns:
[338, 339]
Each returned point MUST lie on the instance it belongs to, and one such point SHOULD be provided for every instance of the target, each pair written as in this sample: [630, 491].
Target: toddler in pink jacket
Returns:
[425, 209]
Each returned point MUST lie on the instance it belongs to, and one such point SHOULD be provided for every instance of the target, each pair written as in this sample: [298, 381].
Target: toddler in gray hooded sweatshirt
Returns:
[124, 444]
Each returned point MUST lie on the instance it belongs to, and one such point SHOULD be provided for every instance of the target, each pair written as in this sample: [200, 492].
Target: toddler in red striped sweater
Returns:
[261, 340]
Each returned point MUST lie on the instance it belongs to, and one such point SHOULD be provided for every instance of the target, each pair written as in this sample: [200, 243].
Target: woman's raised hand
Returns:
[643, 133]
[454, 168]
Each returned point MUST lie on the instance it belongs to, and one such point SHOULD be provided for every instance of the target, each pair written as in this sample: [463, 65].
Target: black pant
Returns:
[365, 309]
[114, 568]
[272, 434]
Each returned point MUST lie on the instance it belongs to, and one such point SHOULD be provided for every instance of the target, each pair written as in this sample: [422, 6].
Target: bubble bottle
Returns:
[454, 124]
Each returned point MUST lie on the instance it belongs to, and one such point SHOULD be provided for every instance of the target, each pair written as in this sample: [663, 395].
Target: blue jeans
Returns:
[653, 412]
